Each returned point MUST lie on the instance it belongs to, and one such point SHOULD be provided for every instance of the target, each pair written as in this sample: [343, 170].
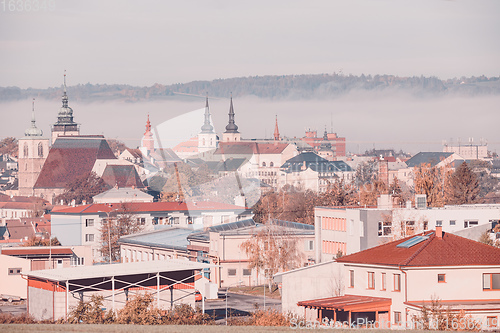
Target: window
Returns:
[89, 222]
[371, 280]
[89, 237]
[439, 223]
[263, 164]
[26, 150]
[351, 279]
[14, 271]
[491, 281]
[141, 220]
[231, 272]
[470, 224]
[397, 317]
[271, 164]
[40, 149]
[453, 222]
[441, 278]
[382, 282]
[309, 245]
[397, 282]
[492, 322]
[426, 225]
[77, 261]
[384, 228]
[247, 272]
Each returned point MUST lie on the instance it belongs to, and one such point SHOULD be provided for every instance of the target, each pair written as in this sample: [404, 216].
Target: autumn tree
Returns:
[83, 188]
[430, 181]
[9, 146]
[120, 222]
[37, 241]
[369, 193]
[339, 193]
[271, 250]
[462, 186]
[365, 172]
[397, 193]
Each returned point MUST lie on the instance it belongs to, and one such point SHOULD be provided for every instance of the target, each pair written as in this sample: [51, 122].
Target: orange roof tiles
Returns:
[138, 207]
[450, 250]
[250, 148]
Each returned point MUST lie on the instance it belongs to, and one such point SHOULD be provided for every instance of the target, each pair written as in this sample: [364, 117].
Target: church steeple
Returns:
[148, 142]
[231, 134]
[65, 124]
[231, 126]
[33, 130]
[207, 126]
[276, 130]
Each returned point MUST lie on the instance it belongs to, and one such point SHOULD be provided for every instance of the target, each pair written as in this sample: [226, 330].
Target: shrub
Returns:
[90, 312]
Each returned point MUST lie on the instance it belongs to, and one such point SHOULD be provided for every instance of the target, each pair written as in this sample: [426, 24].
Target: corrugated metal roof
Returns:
[123, 269]
[168, 237]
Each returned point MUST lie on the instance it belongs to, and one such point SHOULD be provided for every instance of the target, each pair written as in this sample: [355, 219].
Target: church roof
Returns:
[121, 176]
[432, 158]
[71, 157]
[315, 163]
[242, 147]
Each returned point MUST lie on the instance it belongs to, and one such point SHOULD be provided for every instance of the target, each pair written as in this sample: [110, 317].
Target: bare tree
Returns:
[271, 250]
[118, 223]
[462, 186]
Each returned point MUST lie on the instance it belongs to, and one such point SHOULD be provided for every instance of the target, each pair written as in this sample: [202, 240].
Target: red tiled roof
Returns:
[349, 303]
[7, 198]
[69, 159]
[450, 250]
[250, 148]
[136, 153]
[20, 229]
[139, 207]
[17, 205]
[37, 251]
[190, 146]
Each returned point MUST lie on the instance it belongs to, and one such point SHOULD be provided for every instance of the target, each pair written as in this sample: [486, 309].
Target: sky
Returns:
[146, 42]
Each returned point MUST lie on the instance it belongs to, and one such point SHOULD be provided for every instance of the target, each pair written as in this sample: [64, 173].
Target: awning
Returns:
[353, 303]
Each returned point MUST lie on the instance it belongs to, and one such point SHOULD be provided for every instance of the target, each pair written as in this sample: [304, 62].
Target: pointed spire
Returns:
[207, 126]
[231, 126]
[148, 126]
[276, 130]
[64, 96]
[33, 130]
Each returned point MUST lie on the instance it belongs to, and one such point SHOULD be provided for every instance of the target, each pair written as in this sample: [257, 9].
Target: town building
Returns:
[81, 225]
[469, 151]
[329, 146]
[221, 245]
[389, 285]
[309, 171]
[33, 150]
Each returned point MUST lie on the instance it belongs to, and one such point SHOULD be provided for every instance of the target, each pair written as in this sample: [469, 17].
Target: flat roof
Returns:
[132, 268]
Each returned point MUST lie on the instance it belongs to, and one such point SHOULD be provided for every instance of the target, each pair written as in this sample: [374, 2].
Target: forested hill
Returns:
[270, 87]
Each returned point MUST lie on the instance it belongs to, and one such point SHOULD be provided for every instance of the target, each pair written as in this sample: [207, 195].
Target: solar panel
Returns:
[412, 241]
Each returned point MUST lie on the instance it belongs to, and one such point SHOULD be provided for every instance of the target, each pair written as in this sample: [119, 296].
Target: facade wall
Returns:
[12, 283]
[40, 303]
[32, 154]
[313, 282]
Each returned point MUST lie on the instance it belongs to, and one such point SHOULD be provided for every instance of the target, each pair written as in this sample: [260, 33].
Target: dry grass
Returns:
[256, 291]
[13, 328]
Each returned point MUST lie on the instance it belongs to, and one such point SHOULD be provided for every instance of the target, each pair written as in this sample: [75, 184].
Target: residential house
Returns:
[221, 245]
[391, 283]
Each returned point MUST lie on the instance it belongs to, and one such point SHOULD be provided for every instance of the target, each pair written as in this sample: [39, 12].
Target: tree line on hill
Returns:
[306, 86]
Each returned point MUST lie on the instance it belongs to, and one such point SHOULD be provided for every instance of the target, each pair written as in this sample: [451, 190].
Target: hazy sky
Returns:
[147, 42]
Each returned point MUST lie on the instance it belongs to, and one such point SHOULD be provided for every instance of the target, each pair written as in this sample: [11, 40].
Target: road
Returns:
[238, 304]
[13, 308]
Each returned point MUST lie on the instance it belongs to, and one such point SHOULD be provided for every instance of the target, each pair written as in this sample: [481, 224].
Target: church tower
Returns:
[325, 149]
[207, 139]
[33, 150]
[276, 131]
[231, 134]
[148, 142]
[65, 124]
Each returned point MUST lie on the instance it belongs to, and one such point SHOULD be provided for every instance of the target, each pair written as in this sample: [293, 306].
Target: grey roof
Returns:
[81, 141]
[3, 232]
[315, 163]
[222, 227]
[231, 164]
[122, 269]
[248, 227]
[170, 238]
[123, 194]
[432, 158]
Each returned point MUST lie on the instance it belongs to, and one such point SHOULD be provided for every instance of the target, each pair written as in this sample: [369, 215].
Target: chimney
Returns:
[439, 232]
